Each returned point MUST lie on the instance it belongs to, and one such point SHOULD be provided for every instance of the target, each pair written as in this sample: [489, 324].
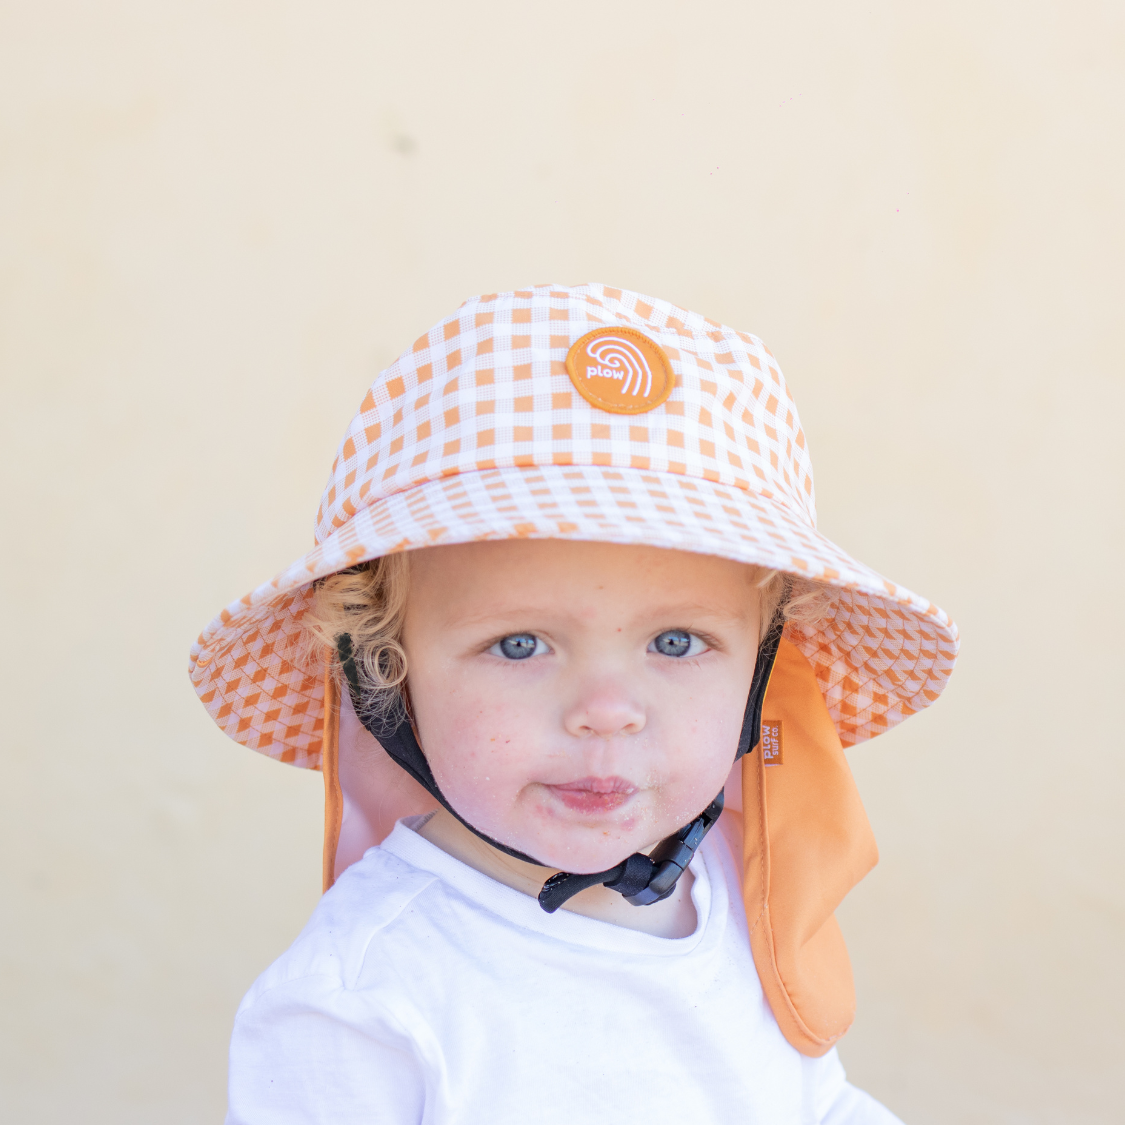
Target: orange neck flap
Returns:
[330, 767]
[807, 842]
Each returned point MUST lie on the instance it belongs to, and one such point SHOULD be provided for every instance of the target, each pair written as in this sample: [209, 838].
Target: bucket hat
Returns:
[479, 431]
[594, 413]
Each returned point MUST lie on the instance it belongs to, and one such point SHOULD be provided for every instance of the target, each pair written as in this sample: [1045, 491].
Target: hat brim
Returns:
[885, 654]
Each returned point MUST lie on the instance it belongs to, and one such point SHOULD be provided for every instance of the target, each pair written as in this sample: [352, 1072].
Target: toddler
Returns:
[578, 670]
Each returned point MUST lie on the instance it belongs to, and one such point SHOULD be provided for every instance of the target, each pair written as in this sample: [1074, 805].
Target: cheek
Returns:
[703, 732]
[482, 753]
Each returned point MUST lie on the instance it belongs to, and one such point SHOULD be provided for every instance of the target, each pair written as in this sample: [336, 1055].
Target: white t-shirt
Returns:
[422, 991]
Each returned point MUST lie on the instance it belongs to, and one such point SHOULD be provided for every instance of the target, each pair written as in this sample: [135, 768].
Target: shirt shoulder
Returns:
[374, 899]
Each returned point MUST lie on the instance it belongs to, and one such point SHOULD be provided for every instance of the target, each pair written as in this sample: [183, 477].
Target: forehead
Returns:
[568, 574]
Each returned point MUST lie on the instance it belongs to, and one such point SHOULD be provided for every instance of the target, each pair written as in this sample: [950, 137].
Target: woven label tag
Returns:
[771, 742]
[620, 370]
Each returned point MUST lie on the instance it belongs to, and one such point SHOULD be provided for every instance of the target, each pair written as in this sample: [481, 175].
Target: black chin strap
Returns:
[642, 879]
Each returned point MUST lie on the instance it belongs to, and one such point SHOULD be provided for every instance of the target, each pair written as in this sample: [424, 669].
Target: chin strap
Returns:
[642, 879]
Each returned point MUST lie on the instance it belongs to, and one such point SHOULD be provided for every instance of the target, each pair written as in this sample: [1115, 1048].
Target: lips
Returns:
[594, 794]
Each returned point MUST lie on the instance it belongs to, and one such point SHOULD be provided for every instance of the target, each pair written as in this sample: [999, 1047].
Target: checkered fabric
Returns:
[477, 432]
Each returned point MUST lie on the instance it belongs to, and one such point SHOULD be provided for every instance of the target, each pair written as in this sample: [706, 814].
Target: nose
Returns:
[604, 710]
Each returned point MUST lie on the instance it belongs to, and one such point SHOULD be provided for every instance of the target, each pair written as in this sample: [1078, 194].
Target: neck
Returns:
[673, 918]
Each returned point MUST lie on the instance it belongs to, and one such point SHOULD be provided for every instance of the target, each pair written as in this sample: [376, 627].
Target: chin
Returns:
[562, 839]
[583, 856]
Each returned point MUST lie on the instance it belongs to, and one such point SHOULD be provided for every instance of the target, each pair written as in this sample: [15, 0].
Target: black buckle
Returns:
[642, 879]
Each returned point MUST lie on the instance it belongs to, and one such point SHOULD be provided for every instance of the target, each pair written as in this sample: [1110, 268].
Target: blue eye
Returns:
[677, 642]
[519, 646]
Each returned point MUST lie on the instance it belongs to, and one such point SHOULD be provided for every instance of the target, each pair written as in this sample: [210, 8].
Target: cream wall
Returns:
[219, 220]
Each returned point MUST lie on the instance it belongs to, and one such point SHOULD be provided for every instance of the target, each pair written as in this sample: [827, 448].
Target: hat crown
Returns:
[488, 388]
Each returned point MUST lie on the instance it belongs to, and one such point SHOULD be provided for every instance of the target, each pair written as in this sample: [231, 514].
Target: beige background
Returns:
[219, 220]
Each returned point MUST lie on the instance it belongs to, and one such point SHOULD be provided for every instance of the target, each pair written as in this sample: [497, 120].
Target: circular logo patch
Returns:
[620, 370]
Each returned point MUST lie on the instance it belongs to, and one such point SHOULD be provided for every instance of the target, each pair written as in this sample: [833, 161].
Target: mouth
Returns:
[594, 794]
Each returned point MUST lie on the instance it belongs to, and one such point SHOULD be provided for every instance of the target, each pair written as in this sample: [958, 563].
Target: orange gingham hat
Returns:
[505, 421]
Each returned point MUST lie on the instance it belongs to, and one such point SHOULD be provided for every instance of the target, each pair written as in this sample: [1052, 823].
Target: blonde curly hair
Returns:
[368, 602]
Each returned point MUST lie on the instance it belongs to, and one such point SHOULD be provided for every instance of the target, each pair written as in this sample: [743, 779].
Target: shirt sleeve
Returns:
[835, 1101]
[309, 1051]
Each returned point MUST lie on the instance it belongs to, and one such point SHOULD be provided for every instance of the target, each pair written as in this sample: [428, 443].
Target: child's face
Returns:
[579, 701]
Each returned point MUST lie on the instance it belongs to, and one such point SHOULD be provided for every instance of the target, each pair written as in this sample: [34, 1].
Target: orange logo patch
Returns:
[771, 742]
[620, 370]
